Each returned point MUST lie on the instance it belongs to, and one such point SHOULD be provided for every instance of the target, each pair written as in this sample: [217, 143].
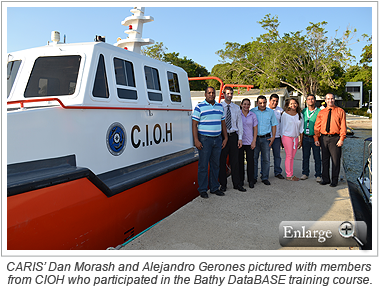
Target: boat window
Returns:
[125, 77]
[124, 73]
[174, 87]
[100, 89]
[12, 69]
[53, 76]
[153, 83]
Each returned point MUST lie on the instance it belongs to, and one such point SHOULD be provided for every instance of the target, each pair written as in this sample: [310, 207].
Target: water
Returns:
[353, 166]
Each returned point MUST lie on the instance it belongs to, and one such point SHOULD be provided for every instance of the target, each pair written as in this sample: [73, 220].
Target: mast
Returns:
[135, 27]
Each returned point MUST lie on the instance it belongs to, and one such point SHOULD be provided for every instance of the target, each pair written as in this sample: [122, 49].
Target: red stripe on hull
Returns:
[77, 215]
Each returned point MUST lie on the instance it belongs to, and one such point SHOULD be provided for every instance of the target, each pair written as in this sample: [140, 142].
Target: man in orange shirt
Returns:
[329, 132]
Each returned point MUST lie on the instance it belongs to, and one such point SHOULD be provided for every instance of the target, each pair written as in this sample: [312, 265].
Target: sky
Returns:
[196, 30]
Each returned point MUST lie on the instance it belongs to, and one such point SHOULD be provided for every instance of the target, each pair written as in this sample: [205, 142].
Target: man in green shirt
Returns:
[310, 115]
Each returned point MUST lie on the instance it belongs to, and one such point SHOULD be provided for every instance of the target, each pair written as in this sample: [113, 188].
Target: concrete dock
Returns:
[250, 220]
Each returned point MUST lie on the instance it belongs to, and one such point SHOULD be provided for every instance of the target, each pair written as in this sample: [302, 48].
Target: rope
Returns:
[131, 239]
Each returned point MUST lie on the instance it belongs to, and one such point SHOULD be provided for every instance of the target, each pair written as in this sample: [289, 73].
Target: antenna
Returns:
[135, 27]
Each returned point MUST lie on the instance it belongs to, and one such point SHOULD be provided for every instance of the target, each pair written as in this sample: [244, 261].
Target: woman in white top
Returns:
[291, 134]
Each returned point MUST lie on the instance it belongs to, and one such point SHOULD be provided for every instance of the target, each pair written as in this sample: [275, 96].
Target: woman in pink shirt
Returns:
[249, 141]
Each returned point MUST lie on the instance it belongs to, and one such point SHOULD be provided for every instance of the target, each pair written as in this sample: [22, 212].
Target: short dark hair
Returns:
[261, 97]
[209, 87]
[227, 88]
[272, 96]
[311, 95]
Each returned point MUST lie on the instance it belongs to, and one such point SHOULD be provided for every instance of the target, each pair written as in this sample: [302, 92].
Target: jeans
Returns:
[262, 145]
[307, 145]
[276, 150]
[210, 154]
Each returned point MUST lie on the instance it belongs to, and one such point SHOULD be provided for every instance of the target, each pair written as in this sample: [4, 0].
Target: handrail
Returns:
[239, 86]
[210, 78]
[22, 102]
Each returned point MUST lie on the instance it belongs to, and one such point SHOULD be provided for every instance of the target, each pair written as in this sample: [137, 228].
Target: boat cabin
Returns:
[65, 98]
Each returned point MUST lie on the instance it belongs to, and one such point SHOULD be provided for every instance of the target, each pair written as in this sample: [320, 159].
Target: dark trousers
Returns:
[333, 152]
[249, 157]
[232, 151]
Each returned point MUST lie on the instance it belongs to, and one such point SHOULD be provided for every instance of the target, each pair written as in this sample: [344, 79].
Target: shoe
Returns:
[254, 181]
[266, 182]
[223, 188]
[251, 184]
[240, 188]
[304, 177]
[333, 185]
[279, 176]
[293, 178]
[204, 194]
[324, 182]
[318, 179]
[217, 192]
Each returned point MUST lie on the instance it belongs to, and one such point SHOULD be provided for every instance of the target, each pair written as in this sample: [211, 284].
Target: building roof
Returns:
[251, 92]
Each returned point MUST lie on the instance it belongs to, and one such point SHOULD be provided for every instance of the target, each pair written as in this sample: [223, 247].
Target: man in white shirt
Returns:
[276, 146]
[234, 126]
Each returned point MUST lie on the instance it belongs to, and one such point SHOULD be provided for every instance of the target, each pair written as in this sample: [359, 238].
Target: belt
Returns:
[230, 134]
[310, 136]
[264, 136]
[330, 135]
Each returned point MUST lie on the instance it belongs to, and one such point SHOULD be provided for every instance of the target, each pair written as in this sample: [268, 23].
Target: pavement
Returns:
[250, 220]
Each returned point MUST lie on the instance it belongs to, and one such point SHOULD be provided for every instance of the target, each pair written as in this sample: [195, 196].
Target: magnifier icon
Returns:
[346, 230]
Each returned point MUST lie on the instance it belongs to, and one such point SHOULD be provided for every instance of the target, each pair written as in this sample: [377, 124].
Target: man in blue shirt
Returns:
[208, 124]
[267, 123]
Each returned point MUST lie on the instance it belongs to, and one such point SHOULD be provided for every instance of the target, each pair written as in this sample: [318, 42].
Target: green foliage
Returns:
[367, 53]
[307, 62]
[363, 72]
[156, 51]
[193, 69]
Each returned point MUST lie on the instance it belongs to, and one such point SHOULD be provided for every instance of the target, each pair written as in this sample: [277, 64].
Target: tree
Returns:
[156, 51]
[367, 53]
[305, 62]
[362, 72]
[193, 69]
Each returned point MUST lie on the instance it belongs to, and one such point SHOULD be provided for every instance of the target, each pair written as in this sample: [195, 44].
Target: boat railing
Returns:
[222, 86]
[248, 87]
[210, 78]
[23, 102]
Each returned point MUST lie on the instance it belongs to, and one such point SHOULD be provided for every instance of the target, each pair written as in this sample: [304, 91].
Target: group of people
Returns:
[225, 130]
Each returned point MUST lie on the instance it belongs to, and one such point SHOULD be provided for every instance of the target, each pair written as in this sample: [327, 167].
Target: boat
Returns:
[99, 143]
[365, 179]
